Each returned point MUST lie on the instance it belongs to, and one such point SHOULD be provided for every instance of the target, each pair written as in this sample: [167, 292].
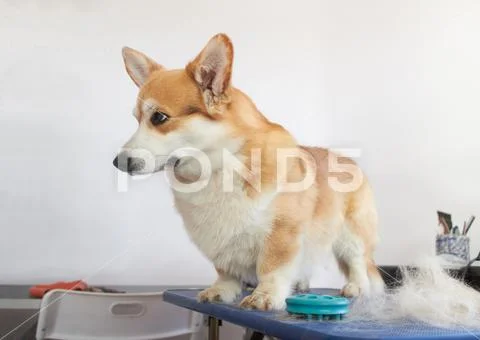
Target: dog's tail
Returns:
[427, 294]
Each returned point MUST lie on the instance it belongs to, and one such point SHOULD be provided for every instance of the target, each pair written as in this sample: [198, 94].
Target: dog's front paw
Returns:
[351, 290]
[262, 301]
[218, 294]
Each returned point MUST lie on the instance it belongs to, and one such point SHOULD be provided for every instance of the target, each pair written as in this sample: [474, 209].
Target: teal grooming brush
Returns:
[318, 307]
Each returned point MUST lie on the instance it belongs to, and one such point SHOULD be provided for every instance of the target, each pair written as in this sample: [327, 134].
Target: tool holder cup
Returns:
[453, 249]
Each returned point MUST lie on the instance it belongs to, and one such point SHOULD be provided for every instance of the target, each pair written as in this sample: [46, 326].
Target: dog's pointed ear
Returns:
[212, 70]
[139, 66]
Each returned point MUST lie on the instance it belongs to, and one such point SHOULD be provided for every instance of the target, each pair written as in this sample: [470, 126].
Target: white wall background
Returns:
[398, 79]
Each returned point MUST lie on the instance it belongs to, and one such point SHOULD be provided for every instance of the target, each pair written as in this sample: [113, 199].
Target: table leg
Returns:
[257, 336]
[213, 328]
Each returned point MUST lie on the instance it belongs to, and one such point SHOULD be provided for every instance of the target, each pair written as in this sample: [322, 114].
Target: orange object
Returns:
[39, 291]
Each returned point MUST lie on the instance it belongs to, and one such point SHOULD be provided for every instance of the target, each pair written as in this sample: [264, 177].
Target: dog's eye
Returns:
[158, 118]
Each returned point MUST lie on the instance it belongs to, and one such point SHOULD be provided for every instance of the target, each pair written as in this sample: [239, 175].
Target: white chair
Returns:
[71, 315]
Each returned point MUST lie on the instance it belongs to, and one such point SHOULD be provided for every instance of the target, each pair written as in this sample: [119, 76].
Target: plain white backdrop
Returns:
[397, 79]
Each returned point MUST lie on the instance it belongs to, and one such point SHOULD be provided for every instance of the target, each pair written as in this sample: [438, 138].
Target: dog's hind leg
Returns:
[355, 245]
[377, 285]
[350, 253]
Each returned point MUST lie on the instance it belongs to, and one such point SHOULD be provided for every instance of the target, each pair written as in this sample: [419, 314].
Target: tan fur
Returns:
[319, 214]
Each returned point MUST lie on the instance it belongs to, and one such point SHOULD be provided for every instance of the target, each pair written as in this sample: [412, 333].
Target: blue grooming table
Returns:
[278, 324]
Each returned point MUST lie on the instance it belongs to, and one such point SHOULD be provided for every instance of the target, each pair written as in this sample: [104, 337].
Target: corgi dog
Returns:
[260, 207]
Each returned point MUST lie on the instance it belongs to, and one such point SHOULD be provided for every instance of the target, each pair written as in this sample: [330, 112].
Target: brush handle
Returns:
[469, 224]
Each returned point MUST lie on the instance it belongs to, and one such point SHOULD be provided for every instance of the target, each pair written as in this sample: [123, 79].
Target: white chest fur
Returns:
[228, 227]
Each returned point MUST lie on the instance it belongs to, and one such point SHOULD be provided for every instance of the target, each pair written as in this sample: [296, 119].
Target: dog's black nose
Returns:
[129, 164]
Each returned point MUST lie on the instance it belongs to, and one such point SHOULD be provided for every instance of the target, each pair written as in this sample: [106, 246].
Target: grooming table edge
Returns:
[277, 324]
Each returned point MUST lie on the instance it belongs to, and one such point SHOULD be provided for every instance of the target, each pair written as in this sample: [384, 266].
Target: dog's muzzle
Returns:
[129, 164]
[138, 162]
